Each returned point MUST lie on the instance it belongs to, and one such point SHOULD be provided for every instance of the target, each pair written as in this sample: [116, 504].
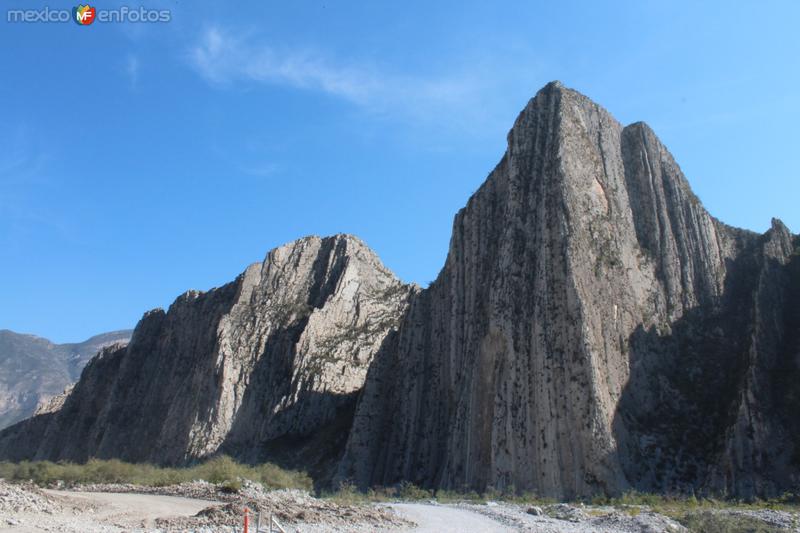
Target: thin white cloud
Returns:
[23, 175]
[259, 170]
[225, 59]
[132, 69]
[222, 58]
[21, 162]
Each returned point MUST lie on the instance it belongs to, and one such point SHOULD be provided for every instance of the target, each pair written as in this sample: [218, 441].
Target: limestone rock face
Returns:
[280, 353]
[593, 329]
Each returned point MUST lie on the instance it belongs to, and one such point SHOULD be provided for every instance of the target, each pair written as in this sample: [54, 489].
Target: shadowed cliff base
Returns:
[317, 453]
[691, 380]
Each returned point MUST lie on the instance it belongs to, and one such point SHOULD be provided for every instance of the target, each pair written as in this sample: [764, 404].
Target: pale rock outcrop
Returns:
[280, 353]
[53, 403]
[593, 329]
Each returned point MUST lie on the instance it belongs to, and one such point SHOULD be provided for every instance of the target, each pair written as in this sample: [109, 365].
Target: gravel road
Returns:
[201, 507]
[445, 519]
[102, 511]
[143, 508]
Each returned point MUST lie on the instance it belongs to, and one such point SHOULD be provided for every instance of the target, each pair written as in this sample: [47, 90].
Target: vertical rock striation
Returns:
[278, 353]
[593, 329]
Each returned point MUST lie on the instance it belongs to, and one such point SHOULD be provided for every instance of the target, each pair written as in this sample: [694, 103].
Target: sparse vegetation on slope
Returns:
[222, 470]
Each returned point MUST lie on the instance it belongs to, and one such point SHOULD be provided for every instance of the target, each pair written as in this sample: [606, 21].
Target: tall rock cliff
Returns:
[593, 329]
[264, 365]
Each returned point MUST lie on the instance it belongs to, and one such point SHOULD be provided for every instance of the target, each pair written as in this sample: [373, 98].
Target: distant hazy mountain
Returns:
[33, 369]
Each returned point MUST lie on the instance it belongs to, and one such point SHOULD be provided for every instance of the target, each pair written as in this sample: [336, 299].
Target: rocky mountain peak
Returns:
[578, 330]
[277, 355]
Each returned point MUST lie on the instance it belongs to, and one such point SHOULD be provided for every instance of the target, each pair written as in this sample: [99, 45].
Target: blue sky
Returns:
[142, 160]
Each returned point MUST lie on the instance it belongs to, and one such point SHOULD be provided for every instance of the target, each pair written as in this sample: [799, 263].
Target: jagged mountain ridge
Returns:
[276, 356]
[33, 369]
[593, 329]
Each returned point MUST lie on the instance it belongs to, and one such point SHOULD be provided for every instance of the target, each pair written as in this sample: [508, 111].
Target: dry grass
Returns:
[221, 469]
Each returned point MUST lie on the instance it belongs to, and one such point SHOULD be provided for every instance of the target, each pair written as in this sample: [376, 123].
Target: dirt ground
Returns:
[201, 507]
[91, 511]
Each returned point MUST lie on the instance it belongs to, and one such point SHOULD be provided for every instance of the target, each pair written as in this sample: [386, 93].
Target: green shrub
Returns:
[409, 491]
[232, 486]
[381, 494]
[220, 470]
[450, 496]
[640, 498]
[276, 477]
[347, 494]
[531, 498]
